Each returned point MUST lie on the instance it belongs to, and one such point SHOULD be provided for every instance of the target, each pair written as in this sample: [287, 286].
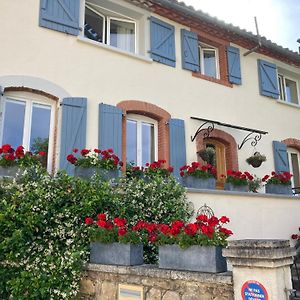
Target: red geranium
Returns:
[197, 170]
[88, 221]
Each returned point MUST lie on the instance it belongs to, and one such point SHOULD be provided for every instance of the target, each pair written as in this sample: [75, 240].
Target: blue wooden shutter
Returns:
[162, 42]
[177, 145]
[190, 50]
[268, 81]
[234, 65]
[280, 157]
[73, 129]
[60, 15]
[110, 128]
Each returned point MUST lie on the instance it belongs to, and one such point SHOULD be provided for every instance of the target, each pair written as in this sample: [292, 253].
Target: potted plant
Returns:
[102, 162]
[237, 181]
[278, 183]
[208, 155]
[256, 160]
[255, 184]
[198, 176]
[113, 242]
[195, 246]
[13, 160]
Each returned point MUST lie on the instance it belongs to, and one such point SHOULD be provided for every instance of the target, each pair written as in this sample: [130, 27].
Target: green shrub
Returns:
[44, 241]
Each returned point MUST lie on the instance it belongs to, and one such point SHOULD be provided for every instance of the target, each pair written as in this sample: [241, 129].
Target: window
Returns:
[141, 140]
[105, 26]
[27, 122]
[294, 161]
[209, 61]
[288, 89]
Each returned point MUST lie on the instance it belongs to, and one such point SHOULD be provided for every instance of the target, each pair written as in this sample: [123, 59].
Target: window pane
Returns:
[291, 91]
[295, 170]
[209, 58]
[13, 123]
[40, 125]
[131, 141]
[147, 143]
[122, 35]
[280, 83]
[93, 26]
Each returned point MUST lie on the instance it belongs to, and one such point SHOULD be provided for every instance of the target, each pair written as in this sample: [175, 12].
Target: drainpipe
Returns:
[258, 38]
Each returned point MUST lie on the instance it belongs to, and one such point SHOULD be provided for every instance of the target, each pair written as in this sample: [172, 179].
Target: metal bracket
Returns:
[208, 130]
[249, 137]
[205, 210]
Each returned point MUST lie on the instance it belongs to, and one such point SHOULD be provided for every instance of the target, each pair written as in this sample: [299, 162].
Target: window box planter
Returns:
[9, 171]
[279, 189]
[116, 254]
[87, 173]
[195, 258]
[236, 188]
[199, 183]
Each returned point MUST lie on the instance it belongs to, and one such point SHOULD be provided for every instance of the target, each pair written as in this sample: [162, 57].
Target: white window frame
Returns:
[291, 151]
[125, 21]
[282, 87]
[204, 47]
[27, 123]
[106, 25]
[99, 14]
[143, 119]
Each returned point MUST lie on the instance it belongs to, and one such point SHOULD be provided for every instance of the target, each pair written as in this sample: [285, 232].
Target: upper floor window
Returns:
[27, 122]
[209, 60]
[108, 27]
[288, 89]
[141, 139]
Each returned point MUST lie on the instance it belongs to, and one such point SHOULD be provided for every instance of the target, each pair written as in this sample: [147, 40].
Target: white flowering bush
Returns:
[44, 243]
[154, 199]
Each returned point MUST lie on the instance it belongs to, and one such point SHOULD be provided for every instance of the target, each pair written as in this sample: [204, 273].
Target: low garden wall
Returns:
[252, 215]
[101, 282]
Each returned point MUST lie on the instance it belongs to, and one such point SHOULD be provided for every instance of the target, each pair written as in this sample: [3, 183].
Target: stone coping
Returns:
[243, 194]
[258, 244]
[153, 271]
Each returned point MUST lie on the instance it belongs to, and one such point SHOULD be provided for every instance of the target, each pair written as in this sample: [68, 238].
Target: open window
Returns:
[288, 89]
[294, 162]
[110, 27]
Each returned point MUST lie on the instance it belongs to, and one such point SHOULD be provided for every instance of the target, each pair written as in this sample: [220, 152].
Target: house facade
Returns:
[142, 77]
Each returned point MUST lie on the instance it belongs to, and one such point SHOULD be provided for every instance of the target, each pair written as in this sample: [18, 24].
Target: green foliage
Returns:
[44, 241]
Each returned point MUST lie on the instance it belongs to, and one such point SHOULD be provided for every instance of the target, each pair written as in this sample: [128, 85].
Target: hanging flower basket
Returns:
[256, 160]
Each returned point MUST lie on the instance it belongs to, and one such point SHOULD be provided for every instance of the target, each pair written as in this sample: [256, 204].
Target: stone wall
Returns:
[101, 282]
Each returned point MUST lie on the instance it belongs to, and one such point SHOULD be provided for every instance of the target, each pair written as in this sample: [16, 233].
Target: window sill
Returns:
[114, 49]
[289, 104]
[212, 79]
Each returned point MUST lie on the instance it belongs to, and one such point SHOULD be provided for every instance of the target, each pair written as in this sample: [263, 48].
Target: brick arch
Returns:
[293, 143]
[227, 140]
[152, 111]
[30, 90]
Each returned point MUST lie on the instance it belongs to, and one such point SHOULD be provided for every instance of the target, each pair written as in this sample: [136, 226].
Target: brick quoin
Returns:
[151, 111]
[228, 141]
[293, 143]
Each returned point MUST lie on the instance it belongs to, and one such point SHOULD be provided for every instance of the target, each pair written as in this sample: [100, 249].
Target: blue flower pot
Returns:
[279, 189]
[87, 173]
[199, 183]
[236, 188]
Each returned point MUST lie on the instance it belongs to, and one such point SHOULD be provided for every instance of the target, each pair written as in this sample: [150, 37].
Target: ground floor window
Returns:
[294, 161]
[141, 139]
[28, 122]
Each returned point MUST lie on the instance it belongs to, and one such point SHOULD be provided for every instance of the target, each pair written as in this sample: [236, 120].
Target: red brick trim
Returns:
[229, 143]
[151, 111]
[293, 143]
[52, 98]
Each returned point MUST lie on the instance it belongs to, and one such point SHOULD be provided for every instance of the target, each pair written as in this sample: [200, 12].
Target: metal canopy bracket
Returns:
[254, 134]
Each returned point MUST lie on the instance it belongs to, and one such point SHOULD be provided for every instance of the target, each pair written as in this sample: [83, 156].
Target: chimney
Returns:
[299, 43]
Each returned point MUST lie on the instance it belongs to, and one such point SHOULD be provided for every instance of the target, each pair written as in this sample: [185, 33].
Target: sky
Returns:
[278, 20]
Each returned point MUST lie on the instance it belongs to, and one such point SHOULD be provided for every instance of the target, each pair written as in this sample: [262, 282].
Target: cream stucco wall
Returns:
[252, 216]
[68, 65]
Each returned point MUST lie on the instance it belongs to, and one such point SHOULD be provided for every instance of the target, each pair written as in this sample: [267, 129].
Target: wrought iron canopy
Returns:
[254, 134]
